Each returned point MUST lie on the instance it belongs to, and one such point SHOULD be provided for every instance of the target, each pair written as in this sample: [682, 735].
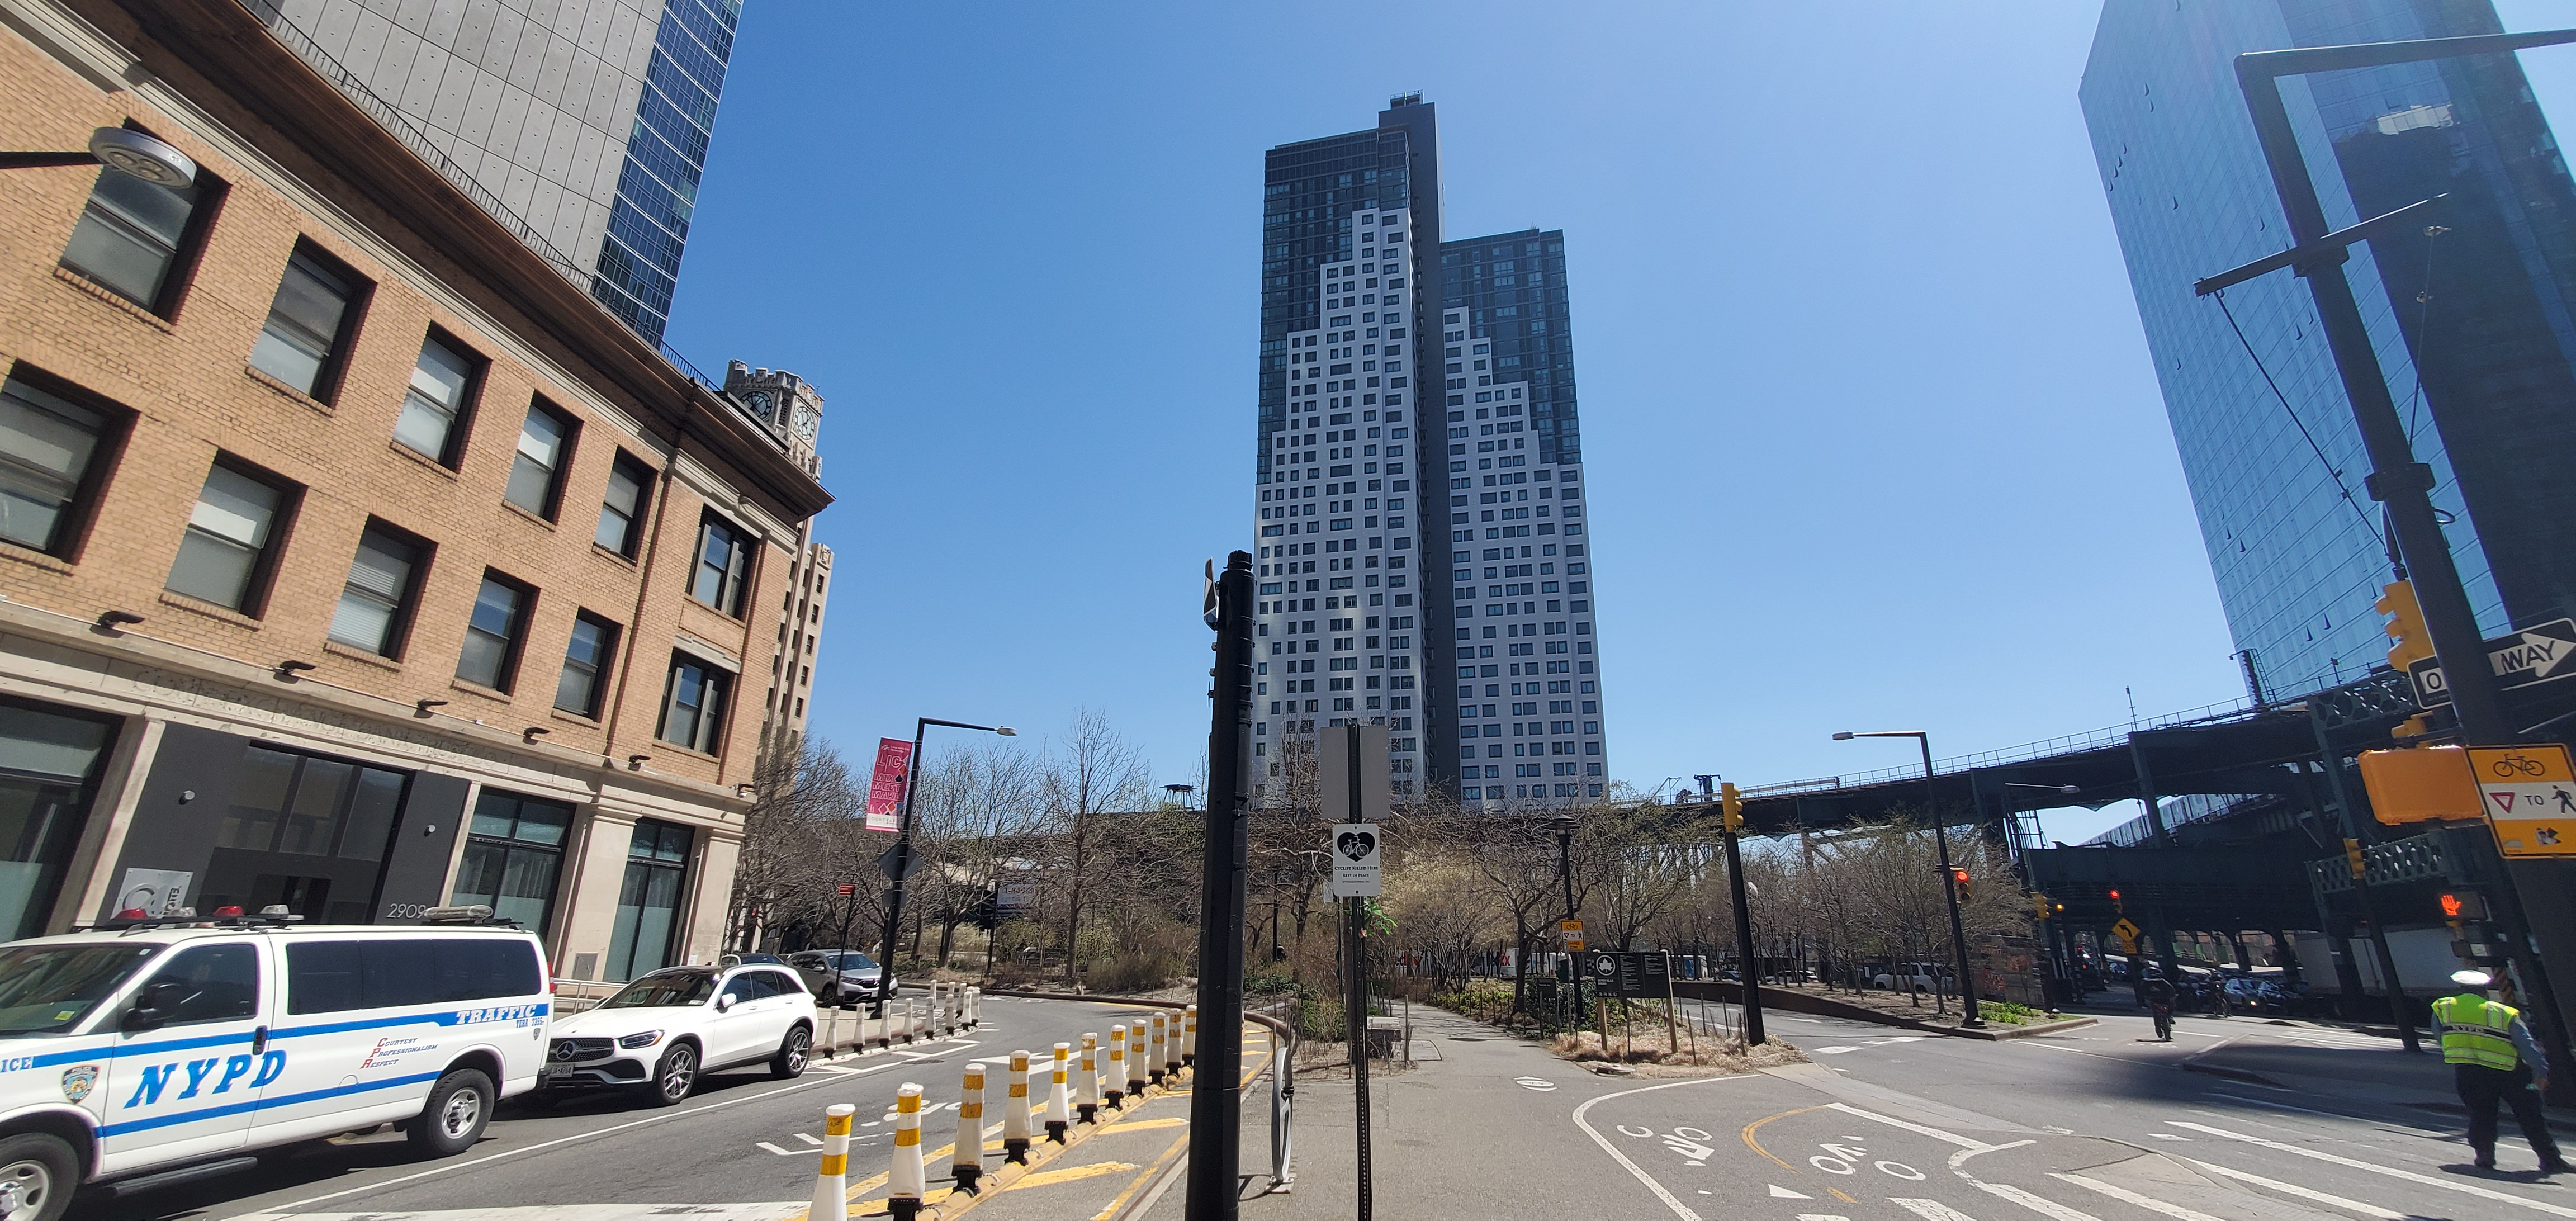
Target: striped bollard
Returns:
[974, 1005]
[1189, 1036]
[966, 1160]
[1136, 1059]
[1015, 1111]
[1086, 1079]
[1172, 1050]
[1154, 1070]
[1117, 1091]
[904, 1182]
[832, 1184]
[1059, 1098]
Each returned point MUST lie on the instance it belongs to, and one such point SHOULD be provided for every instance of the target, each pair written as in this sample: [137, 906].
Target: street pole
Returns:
[1216, 1092]
[903, 841]
[1969, 1019]
[1744, 943]
[1355, 1016]
[1570, 996]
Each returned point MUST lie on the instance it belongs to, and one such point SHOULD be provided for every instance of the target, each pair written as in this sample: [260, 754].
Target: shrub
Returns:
[1483, 1000]
[1131, 972]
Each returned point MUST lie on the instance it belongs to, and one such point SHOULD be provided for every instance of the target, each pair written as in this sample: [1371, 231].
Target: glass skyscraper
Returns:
[2473, 325]
[581, 124]
[1417, 441]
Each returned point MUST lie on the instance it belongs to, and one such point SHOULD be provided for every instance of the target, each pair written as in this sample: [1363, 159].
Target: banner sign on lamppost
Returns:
[885, 788]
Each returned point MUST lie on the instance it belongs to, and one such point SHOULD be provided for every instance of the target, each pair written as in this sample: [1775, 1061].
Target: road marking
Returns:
[814, 1141]
[1930, 1210]
[1540, 1084]
[2150, 1203]
[1834, 1051]
[2390, 1171]
[1093, 1170]
[1974, 1146]
[1782, 1193]
[2039, 1204]
[2304, 1193]
[783, 1152]
[2283, 1106]
[1679, 1210]
[1815, 1216]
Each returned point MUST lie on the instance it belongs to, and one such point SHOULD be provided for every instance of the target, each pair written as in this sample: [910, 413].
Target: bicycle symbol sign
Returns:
[2529, 796]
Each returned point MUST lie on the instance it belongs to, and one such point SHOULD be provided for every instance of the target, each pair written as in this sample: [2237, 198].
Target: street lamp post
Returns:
[1970, 1019]
[1572, 992]
[903, 835]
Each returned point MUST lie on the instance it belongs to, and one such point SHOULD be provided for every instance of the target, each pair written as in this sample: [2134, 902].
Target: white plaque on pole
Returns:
[1355, 860]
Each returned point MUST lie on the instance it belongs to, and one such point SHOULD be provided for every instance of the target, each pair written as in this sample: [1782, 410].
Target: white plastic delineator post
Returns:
[1117, 1091]
[832, 1184]
[1189, 1036]
[974, 1005]
[1086, 1079]
[966, 1161]
[1136, 1058]
[1059, 1097]
[1172, 1050]
[904, 1183]
[1154, 1070]
[1015, 1111]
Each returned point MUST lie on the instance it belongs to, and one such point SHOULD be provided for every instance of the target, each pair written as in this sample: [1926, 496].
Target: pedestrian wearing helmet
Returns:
[2495, 1060]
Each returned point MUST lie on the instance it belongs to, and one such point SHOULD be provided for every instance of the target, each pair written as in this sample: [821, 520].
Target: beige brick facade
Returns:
[181, 392]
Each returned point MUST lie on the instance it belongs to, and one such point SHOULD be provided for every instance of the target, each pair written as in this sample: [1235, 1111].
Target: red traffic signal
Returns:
[2461, 905]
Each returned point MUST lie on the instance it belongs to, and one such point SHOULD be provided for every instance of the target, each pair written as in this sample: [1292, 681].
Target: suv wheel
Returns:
[459, 1105]
[792, 1054]
[674, 1077]
[41, 1172]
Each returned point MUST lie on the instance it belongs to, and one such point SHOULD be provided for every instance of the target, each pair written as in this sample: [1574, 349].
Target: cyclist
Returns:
[2159, 995]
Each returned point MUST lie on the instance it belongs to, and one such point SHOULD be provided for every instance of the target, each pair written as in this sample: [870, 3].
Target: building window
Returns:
[375, 605]
[536, 471]
[134, 235]
[442, 386]
[308, 323]
[226, 554]
[586, 657]
[47, 782]
[513, 855]
[493, 631]
[648, 903]
[723, 563]
[693, 705]
[49, 447]
[305, 831]
[621, 513]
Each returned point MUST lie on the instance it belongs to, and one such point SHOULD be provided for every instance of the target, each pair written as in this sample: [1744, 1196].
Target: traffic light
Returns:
[2413, 642]
[1731, 802]
[2352, 856]
[1959, 881]
[2117, 905]
[2461, 905]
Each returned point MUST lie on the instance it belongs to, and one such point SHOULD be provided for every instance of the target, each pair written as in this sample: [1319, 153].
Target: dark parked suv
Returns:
[840, 977]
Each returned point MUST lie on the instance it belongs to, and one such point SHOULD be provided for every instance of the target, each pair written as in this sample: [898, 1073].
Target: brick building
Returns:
[351, 558]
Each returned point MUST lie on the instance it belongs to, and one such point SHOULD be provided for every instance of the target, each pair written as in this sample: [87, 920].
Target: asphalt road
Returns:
[742, 1137]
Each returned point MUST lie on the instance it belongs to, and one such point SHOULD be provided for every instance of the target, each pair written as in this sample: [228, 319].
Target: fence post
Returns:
[1117, 1091]
[1059, 1104]
[966, 1159]
[1015, 1111]
[832, 1184]
[1087, 1079]
[904, 1185]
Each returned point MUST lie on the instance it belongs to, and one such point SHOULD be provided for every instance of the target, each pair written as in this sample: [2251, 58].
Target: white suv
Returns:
[165, 1050]
[657, 1034]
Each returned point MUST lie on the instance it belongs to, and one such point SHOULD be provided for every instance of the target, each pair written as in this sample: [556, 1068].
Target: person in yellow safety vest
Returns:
[2494, 1059]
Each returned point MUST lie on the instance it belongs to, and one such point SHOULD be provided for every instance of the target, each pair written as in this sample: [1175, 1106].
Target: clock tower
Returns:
[785, 404]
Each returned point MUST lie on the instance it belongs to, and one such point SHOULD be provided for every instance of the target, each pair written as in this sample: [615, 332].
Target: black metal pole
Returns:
[903, 854]
[1216, 1102]
[1970, 1019]
[33, 161]
[2351, 819]
[1744, 942]
[1570, 996]
[1355, 1028]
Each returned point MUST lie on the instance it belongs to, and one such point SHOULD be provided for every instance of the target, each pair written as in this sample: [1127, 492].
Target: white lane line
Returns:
[2422, 1131]
[2304, 1193]
[2150, 1203]
[1670, 1201]
[1930, 1210]
[2392, 1172]
[2004, 1191]
[1973, 1146]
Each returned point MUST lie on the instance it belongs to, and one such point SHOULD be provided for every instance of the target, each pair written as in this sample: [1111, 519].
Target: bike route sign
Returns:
[2529, 794]
[2533, 655]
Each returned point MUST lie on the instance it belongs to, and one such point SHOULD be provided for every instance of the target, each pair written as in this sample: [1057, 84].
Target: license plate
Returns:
[556, 1070]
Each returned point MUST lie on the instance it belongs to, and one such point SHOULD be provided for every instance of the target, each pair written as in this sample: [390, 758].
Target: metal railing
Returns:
[1283, 1093]
[2063, 744]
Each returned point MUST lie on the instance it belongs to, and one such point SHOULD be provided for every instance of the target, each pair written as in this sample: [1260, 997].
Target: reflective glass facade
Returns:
[582, 124]
[2479, 313]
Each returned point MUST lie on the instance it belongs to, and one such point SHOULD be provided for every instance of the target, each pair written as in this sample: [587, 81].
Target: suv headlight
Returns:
[642, 1039]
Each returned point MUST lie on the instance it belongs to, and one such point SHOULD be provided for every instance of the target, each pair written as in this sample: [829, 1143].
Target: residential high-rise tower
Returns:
[1400, 459]
[2475, 324]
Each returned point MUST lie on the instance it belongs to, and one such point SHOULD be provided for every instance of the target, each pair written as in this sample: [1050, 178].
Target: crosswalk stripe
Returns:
[2150, 1203]
[2039, 1204]
[1930, 1210]
[2390, 1171]
[2304, 1193]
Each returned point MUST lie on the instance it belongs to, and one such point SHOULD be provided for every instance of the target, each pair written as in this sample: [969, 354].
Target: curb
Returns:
[1991, 1034]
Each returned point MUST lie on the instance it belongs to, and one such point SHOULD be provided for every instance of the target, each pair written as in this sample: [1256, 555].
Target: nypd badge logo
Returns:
[79, 1080]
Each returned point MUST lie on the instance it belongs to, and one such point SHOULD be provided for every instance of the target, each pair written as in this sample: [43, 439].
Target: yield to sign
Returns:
[2521, 659]
[2529, 796]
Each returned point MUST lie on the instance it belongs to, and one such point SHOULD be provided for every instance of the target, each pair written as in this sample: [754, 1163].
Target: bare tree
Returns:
[1093, 776]
[802, 837]
[974, 809]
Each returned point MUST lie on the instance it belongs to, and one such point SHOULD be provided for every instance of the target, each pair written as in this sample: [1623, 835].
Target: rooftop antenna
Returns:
[2132, 693]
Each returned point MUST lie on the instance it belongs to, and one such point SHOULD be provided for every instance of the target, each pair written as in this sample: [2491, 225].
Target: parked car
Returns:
[657, 1035]
[840, 977]
[140, 1046]
[1912, 977]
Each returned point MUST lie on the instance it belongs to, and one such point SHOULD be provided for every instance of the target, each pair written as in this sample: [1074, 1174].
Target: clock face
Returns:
[807, 420]
[761, 402]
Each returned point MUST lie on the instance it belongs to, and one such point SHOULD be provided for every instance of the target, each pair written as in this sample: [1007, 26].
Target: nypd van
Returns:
[166, 1050]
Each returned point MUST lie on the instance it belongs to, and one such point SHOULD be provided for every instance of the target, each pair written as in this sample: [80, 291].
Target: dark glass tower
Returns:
[2475, 326]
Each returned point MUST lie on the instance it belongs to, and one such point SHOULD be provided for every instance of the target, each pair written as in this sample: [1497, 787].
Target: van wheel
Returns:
[459, 1105]
[43, 1170]
[792, 1054]
[674, 1077]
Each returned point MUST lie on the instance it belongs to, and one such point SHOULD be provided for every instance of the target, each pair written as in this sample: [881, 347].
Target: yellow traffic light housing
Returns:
[2413, 642]
[1731, 802]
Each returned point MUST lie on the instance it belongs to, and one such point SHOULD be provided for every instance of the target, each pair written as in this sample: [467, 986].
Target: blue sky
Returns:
[1872, 434]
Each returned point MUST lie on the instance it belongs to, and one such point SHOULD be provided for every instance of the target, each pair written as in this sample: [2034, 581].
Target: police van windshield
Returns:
[663, 989]
[48, 989]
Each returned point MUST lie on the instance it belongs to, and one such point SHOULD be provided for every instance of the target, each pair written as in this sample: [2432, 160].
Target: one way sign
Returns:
[2532, 655]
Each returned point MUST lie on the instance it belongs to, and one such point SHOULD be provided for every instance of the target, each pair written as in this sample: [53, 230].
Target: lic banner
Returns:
[885, 789]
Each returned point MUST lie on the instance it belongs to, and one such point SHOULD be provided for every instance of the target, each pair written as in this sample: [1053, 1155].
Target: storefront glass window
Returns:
[48, 773]
[648, 903]
[306, 832]
[513, 855]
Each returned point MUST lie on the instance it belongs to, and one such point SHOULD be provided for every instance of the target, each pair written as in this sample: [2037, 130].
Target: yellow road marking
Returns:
[1756, 1146]
[1144, 1125]
[1046, 1178]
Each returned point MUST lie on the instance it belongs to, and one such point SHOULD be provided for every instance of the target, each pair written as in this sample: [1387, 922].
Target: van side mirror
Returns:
[152, 1006]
